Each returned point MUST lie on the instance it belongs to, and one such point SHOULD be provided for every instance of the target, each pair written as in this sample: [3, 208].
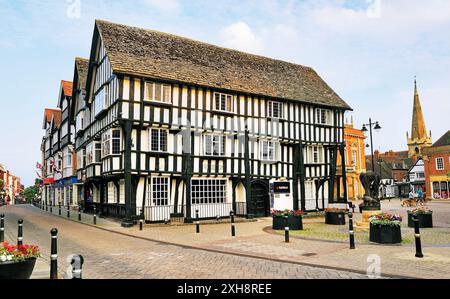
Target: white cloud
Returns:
[240, 36]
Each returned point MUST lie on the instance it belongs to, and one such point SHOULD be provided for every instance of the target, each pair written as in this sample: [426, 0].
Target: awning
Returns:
[49, 181]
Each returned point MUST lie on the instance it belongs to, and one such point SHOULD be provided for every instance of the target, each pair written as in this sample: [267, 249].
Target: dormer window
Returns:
[323, 116]
[223, 102]
[275, 109]
[158, 92]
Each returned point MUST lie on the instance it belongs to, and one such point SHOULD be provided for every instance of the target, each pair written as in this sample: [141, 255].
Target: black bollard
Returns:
[2, 228]
[77, 266]
[350, 231]
[95, 215]
[51, 208]
[68, 211]
[197, 222]
[141, 224]
[233, 228]
[20, 232]
[79, 213]
[417, 236]
[46, 206]
[286, 229]
[59, 207]
[54, 254]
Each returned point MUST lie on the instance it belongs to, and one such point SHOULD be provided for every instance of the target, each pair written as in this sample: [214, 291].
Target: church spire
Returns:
[418, 139]
[418, 129]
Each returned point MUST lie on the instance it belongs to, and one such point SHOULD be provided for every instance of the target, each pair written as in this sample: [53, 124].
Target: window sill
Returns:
[158, 103]
[269, 161]
[225, 113]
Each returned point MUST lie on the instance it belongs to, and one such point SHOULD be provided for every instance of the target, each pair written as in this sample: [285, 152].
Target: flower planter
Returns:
[294, 222]
[385, 234]
[17, 270]
[425, 220]
[334, 218]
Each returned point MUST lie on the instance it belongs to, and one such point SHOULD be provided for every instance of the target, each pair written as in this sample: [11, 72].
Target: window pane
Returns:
[157, 92]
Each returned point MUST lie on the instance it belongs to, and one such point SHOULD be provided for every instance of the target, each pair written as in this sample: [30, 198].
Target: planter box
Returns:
[385, 234]
[425, 220]
[294, 223]
[334, 218]
[17, 270]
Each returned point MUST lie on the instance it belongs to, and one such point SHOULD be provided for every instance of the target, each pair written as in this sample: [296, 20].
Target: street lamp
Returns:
[376, 126]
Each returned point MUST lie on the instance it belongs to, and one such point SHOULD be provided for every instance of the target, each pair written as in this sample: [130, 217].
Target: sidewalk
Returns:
[254, 239]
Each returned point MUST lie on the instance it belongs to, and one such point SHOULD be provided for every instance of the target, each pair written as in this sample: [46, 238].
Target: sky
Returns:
[368, 51]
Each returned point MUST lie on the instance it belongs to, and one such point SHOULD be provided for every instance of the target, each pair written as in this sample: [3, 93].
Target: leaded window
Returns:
[159, 191]
[214, 145]
[158, 140]
[209, 191]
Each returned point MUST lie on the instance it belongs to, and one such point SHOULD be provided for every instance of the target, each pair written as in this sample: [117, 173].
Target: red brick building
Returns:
[437, 167]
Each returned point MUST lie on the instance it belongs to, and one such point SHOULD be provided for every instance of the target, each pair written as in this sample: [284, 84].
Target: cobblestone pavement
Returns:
[112, 255]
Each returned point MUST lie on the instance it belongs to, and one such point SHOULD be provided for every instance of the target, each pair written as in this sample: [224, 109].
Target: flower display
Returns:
[282, 213]
[386, 219]
[17, 253]
[421, 210]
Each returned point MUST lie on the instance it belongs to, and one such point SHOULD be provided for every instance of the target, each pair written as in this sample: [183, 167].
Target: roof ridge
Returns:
[204, 43]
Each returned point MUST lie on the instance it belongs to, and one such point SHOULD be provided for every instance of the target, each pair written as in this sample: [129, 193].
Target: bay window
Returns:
[111, 143]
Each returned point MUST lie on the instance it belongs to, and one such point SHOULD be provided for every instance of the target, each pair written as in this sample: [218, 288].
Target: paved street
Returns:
[112, 255]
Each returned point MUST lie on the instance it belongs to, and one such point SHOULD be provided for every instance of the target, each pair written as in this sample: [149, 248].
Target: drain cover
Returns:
[309, 254]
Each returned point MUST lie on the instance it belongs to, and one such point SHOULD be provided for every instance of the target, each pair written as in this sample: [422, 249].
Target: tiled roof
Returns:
[158, 55]
[82, 66]
[67, 88]
[444, 140]
[55, 114]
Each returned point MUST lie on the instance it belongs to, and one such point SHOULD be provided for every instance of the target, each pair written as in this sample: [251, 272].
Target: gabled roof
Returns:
[52, 114]
[66, 87]
[158, 55]
[444, 140]
[82, 67]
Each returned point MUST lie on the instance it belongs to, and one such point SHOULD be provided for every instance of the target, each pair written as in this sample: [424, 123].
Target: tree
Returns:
[30, 193]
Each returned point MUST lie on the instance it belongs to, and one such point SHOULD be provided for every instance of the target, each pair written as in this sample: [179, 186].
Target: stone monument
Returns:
[371, 205]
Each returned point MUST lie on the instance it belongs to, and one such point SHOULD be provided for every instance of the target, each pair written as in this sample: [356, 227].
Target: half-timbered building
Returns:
[173, 126]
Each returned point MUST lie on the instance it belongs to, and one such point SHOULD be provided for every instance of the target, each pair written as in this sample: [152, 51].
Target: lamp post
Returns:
[377, 127]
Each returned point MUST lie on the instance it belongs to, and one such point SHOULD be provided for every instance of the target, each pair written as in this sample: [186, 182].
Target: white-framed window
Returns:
[420, 175]
[412, 176]
[268, 150]
[80, 121]
[112, 193]
[315, 154]
[111, 143]
[323, 116]
[159, 191]
[64, 129]
[93, 153]
[158, 140]
[440, 163]
[100, 100]
[214, 145]
[158, 92]
[275, 109]
[69, 160]
[209, 191]
[223, 102]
